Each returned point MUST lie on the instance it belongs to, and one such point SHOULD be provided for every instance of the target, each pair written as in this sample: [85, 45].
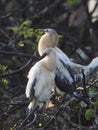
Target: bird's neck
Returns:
[50, 63]
[46, 41]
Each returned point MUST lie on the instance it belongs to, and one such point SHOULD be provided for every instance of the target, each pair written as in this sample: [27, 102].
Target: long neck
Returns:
[47, 40]
[50, 62]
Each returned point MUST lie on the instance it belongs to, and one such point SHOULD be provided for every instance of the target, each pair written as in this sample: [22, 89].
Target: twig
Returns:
[79, 119]
[84, 3]
[92, 127]
[28, 125]
[6, 114]
[5, 34]
[60, 107]
[23, 124]
[16, 71]
[84, 84]
[19, 54]
[94, 82]
[8, 14]
[46, 9]
[14, 103]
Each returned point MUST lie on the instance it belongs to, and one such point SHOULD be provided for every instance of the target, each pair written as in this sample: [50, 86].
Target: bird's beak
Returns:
[42, 30]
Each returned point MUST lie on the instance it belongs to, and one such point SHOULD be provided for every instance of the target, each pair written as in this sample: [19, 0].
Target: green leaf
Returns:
[3, 67]
[20, 43]
[24, 29]
[40, 124]
[92, 90]
[27, 23]
[14, 29]
[96, 105]
[89, 114]
[5, 81]
[72, 1]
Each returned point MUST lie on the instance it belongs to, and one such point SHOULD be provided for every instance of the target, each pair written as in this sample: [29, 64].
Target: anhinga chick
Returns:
[41, 79]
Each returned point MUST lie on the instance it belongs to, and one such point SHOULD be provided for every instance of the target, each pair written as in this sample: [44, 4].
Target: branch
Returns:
[60, 108]
[10, 112]
[23, 124]
[16, 71]
[46, 9]
[19, 54]
[84, 84]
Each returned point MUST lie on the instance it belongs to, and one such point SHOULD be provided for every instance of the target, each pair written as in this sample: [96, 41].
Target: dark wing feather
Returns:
[66, 66]
[32, 88]
[62, 82]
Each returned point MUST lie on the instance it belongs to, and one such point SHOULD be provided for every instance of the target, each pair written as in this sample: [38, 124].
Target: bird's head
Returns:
[48, 39]
[48, 30]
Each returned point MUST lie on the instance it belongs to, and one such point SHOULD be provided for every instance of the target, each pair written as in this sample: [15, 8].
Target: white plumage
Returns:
[41, 79]
[64, 66]
[50, 39]
[64, 77]
[92, 65]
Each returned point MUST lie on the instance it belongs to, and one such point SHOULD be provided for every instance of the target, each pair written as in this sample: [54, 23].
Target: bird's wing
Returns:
[66, 60]
[92, 65]
[64, 77]
[69, 69]
[61, 55]
[33, 77]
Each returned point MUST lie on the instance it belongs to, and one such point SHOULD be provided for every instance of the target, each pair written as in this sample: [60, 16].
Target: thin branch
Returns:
[95, 81]
[79, 119]
[60, 108]
[92, 127]
[46, 9]
[5, 34]
[16, 71]
[19, 54]
[23, 124]
[10, 112]
[84, 84]
[8, 14]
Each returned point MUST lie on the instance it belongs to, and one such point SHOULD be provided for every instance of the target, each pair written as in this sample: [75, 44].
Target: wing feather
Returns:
[64, 78]
[33, 77]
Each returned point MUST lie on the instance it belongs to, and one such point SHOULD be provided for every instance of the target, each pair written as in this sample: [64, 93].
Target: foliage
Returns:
[89, 114]
[3, 68]
[92, 112]
[24, 29]
[25, 33]
[72, 1]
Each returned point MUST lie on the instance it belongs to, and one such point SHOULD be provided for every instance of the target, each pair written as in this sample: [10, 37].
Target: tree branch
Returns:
[16, 71]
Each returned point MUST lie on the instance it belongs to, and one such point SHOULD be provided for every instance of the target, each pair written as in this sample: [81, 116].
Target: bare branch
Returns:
[16, 71]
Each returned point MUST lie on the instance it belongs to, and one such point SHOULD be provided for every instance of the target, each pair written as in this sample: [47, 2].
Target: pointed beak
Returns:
[42, 30]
